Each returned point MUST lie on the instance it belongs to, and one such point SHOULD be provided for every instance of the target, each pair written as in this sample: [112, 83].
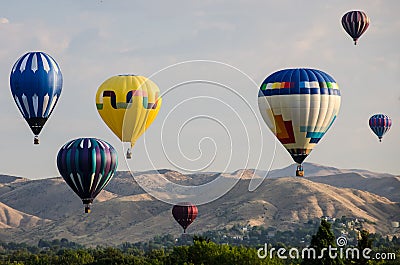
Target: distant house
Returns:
[350, 224]
[329, 219]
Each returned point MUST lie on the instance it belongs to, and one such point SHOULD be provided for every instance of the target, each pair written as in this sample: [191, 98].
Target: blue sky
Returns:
[94, 40]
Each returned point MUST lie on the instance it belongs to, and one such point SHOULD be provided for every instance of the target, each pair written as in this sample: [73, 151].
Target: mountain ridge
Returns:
[125, 212]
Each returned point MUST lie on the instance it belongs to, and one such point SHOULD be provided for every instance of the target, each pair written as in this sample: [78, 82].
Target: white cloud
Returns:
[217, 25]
[4, 20]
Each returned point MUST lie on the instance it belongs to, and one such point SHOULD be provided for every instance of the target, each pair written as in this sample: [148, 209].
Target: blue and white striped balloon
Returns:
[36, 84]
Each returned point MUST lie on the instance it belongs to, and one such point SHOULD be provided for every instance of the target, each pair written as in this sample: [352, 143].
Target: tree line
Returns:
[196, 250]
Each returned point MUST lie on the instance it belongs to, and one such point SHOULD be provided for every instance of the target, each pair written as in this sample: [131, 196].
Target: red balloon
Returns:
[184, 213]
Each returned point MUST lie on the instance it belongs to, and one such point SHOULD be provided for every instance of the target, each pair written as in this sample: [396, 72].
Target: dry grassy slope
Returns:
[387, 186]
[128, 218]
[46, 198]
[315, 170]
[11, 218]
[284, 203]
[5, 179]
[301, 199]
[8, 183]
[123, 184]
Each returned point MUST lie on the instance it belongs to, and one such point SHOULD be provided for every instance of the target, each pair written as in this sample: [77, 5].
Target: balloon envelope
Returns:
[380, 124]
[128, 104]
[184, 213]
[355, 23]
[36, 84]
[87, 166]
[299, 106]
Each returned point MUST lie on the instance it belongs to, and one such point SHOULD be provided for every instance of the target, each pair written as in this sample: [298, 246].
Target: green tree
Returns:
[156, 257]
[179, 255]
[210, 253]
[364, 241]
[322, 242]
[76, 257]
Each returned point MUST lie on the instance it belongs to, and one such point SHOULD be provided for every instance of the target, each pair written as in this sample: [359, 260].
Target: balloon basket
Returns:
[129, 154]
[36, 140]
[299, 171]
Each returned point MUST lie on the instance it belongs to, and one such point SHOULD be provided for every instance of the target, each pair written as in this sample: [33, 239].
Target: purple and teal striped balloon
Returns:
[380, 125]
[87, 165]
[355, 23]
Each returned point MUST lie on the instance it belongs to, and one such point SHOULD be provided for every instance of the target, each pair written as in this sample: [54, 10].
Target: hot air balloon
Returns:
[355, 23]
[299, 106]
[128, 104]
[87, 166]
[184, 213]
[380, 125]
[36, 83]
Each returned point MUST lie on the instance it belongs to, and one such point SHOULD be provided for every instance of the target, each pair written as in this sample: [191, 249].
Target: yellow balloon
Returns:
[128, 104]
